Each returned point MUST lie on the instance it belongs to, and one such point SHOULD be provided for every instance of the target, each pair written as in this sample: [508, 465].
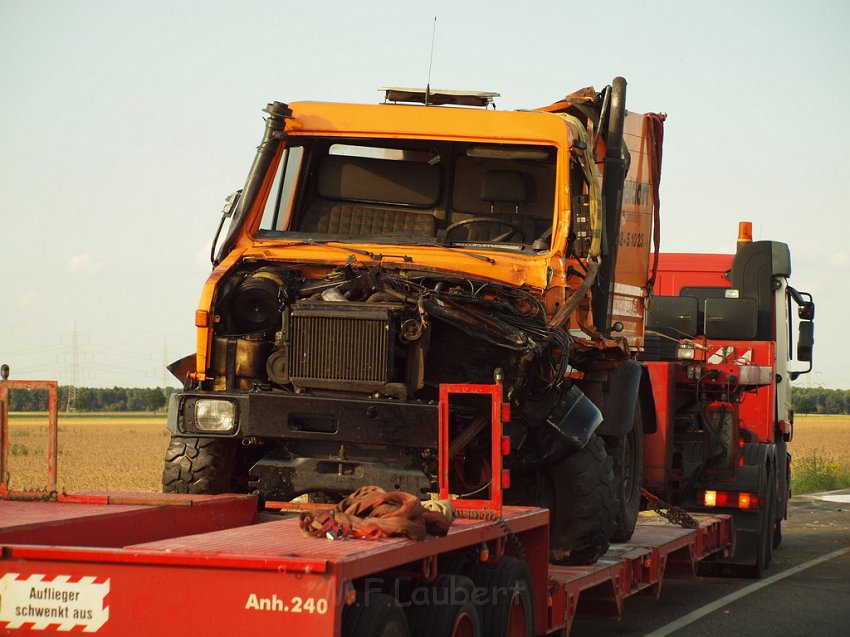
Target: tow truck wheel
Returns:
[764, 554]
[374, 615]
[198, 465]
[450, 613]
[627, 455]
[582, 498]
[506, 608]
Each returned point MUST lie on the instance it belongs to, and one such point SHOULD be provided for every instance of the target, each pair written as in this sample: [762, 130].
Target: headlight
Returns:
[215, 415]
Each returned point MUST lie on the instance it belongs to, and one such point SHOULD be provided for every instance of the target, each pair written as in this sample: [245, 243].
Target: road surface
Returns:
[806, 591]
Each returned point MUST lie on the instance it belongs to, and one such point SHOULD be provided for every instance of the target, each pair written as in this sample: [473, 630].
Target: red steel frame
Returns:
[500, 445]
[52, 388]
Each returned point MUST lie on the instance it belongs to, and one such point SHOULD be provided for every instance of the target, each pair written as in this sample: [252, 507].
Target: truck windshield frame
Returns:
[378, 190]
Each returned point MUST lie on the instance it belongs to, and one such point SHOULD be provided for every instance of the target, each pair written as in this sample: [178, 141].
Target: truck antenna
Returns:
[430, 63]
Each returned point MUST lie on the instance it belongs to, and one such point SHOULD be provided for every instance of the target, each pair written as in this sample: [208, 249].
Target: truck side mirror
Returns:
[805, 341]
[230, 204]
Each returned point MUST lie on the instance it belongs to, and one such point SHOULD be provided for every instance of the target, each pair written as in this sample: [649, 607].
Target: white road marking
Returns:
[728, 599]
[840, 497]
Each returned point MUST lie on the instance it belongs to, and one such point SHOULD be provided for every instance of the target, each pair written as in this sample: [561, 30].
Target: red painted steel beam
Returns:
[127, 520]
[52, 388]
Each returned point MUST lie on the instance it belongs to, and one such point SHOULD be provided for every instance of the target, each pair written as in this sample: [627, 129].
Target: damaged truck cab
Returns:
[379, 251]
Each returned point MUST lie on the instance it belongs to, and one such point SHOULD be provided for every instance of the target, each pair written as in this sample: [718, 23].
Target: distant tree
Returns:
[818, 400]
[95, 399]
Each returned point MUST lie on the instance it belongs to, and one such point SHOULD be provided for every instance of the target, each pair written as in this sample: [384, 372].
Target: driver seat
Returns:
[505, 191]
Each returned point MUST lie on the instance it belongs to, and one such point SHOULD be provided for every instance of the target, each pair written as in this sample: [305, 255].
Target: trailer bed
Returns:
[136, 564]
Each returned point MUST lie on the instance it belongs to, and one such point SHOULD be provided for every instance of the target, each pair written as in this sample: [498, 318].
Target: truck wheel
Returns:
[582, 497]
[506, 607]
[764, 555]
[777, 534]
[198, 465]
[374, 615]
[450, 613]
[627, 455]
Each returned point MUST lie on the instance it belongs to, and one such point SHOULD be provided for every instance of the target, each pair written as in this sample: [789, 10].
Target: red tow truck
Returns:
[719, 352]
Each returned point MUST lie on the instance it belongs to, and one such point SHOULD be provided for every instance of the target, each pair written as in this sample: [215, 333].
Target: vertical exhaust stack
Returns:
[275, 123]
[612, 200]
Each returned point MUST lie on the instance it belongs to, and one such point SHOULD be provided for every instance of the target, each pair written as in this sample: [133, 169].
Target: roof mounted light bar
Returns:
[438, 97]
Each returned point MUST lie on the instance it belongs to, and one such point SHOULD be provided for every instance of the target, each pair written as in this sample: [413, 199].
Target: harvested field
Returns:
[821, 453]
[829, 435]
[125, 451]
[120, 452]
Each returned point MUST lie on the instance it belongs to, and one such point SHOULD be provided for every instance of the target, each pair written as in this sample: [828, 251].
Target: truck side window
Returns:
[276, 212]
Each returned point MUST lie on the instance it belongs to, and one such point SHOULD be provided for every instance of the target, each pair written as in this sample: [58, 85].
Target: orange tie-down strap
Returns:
[371, 513]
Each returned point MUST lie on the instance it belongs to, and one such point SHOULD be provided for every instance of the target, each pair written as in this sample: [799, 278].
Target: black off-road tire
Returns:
[374, 615]
[199, 465]
[627, 456]
[583, 499]
[764, 552]
[451, 613]
[503, 592]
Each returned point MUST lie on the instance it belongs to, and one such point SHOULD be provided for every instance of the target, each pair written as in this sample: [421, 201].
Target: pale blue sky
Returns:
[124, 125]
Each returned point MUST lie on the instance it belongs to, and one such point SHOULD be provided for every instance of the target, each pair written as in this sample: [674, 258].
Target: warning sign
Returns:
[61, 602]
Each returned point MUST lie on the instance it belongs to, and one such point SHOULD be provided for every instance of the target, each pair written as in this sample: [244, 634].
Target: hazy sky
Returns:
[125, 124]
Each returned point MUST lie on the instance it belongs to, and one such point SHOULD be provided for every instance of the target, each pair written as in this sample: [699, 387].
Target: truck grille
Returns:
[341, 345]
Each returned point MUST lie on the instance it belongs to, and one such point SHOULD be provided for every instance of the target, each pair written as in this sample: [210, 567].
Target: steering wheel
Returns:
[514, 229]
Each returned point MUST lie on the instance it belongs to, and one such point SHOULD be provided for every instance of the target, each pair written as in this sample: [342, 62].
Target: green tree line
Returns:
[94, 399]
[818, 400]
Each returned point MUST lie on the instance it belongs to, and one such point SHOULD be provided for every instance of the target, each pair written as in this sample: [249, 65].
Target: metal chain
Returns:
[512, 538]
[673, 514]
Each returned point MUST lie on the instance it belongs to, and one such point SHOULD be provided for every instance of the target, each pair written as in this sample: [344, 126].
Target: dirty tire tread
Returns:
[375, 615]
[622, 454]
[584, 511]
[198, 465]
[438, 620]
[494, 578]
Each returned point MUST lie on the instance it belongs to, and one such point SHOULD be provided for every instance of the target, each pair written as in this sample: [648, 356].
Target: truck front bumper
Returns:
[268, 415]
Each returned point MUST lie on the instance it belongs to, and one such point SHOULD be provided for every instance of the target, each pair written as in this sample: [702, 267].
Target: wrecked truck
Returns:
[378, 251]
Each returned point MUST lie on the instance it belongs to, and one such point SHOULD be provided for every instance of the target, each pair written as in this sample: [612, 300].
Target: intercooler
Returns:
[343, 346]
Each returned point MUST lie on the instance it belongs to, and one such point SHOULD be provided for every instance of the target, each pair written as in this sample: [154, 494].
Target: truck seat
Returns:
[363, 220]
[371, 196]
[506, 192]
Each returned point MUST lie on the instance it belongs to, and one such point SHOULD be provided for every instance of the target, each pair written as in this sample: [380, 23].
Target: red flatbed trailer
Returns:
[248, 577]
[135, 564]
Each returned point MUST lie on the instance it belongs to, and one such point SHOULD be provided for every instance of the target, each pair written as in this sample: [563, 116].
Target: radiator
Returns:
[342, 345]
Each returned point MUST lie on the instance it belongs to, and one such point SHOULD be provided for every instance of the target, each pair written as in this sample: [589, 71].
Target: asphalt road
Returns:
[806, 591]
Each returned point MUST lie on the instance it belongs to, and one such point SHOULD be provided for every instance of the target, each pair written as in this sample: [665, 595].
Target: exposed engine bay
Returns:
[336, 377]
[369, 331]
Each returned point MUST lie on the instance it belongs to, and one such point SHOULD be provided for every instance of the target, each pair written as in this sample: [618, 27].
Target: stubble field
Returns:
[119, 452]
[124, 452]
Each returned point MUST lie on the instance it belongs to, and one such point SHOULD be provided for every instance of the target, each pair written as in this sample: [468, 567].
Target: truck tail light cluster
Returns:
[728, 499]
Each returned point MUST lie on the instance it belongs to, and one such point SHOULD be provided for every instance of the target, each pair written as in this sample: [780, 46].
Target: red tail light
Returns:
[728, 499]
